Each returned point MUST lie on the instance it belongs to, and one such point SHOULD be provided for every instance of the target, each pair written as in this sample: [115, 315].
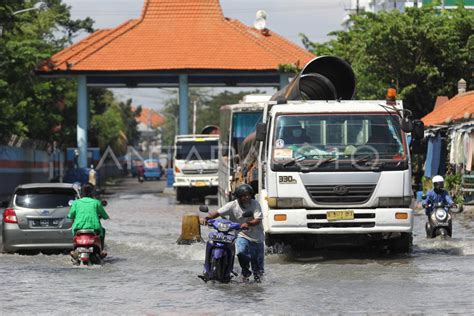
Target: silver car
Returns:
[36, 217]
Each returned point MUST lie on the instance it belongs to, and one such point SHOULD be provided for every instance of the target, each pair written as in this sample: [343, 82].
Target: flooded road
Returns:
[148, 273]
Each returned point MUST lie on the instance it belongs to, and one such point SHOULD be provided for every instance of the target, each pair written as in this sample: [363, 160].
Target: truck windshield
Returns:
[350, 137]
[243, 123]
[197, 150]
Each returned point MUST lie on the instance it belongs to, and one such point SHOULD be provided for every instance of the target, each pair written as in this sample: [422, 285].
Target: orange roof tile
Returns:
[150, 117]
[179, 34]
[459, 108]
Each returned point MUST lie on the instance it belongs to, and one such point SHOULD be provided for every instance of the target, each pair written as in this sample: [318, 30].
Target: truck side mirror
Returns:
[418, 129]
[261, 132]
[406, 125]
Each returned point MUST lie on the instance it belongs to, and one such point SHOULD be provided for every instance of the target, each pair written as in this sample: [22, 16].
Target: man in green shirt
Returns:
[87, 213]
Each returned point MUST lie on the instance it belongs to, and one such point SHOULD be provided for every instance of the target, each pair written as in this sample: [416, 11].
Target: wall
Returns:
[25, 165]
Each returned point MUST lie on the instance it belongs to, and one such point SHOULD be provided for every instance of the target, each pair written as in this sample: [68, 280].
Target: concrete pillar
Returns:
[82, 124]
[183, 104]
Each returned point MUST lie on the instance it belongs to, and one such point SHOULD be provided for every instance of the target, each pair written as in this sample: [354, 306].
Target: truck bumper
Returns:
[188, 182]
[366, 221]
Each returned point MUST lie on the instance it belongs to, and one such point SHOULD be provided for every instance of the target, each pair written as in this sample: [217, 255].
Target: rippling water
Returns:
[148, 273]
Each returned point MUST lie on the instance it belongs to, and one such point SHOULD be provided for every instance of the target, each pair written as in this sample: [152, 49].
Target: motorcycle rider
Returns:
[436, 195]
[86, 213]
[250, 241]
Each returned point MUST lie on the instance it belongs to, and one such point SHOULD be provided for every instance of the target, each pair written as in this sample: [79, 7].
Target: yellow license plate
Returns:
[200, 184]
[339, 215]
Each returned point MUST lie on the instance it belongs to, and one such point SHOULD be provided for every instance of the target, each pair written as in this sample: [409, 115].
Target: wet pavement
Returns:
[146, 272]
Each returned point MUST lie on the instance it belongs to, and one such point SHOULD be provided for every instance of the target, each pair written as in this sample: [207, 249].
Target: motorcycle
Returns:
[220, 250]
[439, 222]
[87, 246]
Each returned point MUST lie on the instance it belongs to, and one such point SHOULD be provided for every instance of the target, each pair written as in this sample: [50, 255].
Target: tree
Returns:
[46, 108]
[423, 52]
[31, 106]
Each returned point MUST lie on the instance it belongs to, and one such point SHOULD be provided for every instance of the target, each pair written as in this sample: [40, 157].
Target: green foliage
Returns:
[29, 104]
[46, 109]
[288, 68]
[426, 184]
[109, 128]
[424, 51]
[452, 183]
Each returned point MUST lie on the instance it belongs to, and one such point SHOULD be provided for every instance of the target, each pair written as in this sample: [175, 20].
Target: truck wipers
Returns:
[365, 158]
[317, 165]
[375, 166]
[294, 160]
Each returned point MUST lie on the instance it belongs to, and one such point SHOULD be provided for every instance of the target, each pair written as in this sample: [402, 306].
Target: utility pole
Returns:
[357, 7]
[194, 118]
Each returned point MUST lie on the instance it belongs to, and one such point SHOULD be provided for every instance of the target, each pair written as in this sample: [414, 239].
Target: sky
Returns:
[314, 18]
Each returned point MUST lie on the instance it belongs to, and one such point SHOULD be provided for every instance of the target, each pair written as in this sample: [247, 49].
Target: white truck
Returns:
[237, 121]
[195, 166]
[332, 171]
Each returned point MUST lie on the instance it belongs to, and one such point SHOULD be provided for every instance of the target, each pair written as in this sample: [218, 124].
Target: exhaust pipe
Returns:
[323, 78]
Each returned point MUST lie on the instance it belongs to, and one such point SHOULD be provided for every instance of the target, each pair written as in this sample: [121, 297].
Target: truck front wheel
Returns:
[402, 244]
[181, 194]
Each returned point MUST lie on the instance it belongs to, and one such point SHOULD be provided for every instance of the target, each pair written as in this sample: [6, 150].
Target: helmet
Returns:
[437, 179]
[243, 189]
[438, 183]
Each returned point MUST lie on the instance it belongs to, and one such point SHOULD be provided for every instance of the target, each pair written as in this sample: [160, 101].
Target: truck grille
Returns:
[199, 171]
[340, 194]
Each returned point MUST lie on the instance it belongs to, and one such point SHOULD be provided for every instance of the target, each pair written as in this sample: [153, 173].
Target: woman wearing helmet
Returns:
[436, 195]
[250, 241]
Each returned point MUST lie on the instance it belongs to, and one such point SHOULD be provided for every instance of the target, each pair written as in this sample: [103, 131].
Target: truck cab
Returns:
[195, 166]
[335, 173]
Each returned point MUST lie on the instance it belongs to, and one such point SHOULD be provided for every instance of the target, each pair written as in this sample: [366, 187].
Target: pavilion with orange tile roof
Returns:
[174, 43]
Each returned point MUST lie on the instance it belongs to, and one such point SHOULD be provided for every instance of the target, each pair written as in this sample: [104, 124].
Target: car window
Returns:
[44, 197]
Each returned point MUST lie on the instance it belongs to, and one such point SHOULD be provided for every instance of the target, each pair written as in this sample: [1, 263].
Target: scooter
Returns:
[439, 222]
[87, 246]
[220, 250]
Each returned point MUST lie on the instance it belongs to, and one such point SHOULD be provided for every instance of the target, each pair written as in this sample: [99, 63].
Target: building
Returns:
[449, 133]
[149, 127]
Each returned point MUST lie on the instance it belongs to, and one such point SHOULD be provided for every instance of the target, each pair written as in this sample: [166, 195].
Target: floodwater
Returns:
[146, 272]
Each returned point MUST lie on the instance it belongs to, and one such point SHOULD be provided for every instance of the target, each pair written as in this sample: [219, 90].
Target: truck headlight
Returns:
[398, 201]
[275, 202]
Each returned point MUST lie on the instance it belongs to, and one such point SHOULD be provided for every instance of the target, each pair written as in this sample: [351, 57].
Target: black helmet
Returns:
[243, 189]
